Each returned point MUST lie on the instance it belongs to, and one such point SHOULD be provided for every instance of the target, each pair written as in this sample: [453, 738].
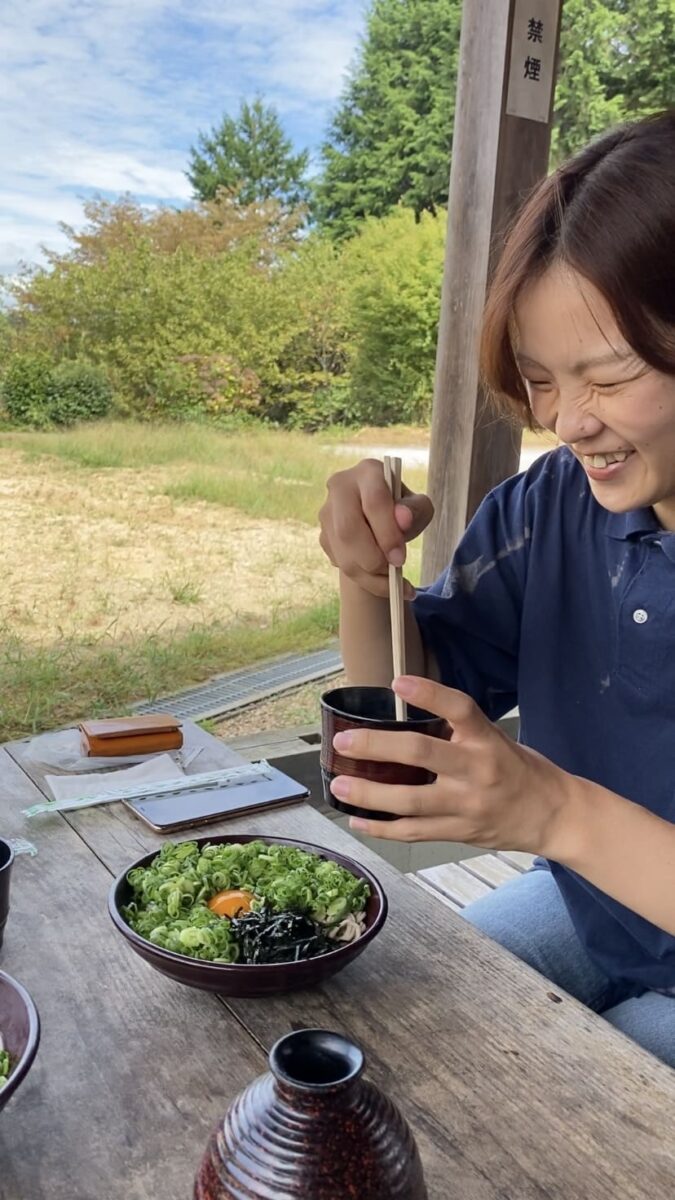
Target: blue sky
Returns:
[106, 96]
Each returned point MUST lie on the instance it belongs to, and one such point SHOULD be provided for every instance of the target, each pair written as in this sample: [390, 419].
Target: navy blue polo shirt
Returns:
[567, 610]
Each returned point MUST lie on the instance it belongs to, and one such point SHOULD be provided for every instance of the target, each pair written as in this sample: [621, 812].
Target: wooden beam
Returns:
[497, 157]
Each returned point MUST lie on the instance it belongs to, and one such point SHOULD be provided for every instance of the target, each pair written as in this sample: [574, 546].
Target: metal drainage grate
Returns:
[235, 690]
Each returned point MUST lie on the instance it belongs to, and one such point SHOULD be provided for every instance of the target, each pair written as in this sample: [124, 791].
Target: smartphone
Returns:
[182, 810]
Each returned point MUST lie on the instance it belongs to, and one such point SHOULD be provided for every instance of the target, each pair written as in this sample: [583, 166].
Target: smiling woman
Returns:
[608, 215]
[586, 279]
[559, 599]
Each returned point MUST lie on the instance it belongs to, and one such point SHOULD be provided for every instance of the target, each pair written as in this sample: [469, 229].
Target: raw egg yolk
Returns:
[230, 903]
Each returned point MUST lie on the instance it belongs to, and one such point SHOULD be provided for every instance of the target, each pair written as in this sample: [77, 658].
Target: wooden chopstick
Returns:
[392, 475]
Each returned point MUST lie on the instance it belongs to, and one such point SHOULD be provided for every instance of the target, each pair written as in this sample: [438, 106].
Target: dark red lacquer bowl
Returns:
[20, 1029]
[251, 979]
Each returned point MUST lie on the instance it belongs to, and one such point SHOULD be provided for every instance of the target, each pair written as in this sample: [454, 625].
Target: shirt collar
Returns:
[630, 524]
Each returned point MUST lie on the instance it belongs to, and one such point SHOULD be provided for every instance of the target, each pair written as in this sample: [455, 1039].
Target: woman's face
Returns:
[587, 385]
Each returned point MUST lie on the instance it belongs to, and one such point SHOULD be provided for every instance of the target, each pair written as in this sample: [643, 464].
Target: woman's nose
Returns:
[574, 422]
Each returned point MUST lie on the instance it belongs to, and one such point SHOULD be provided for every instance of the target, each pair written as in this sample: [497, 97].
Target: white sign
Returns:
[535, 24]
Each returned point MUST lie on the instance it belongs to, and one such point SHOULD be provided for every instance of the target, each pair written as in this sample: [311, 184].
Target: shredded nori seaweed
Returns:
[269, 937]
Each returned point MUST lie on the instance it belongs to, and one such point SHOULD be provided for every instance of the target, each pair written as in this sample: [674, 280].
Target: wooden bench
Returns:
[458, 883]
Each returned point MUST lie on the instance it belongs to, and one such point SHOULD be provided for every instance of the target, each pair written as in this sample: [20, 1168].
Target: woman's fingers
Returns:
[416, 829]
[379, 512]
[404, 801]
[421, 510]
[363, 532]
[410, 749]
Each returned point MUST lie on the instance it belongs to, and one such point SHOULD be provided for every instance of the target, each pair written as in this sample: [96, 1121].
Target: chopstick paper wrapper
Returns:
[228, 777]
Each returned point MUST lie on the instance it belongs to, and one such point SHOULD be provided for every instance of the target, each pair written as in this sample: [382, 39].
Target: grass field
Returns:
[138, 560]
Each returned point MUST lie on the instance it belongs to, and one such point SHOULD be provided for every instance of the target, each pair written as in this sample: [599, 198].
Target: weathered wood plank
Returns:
[511, 1093]
[456, 883]
[516, 858]
[132, 1070]
[496, 159]
[440, 896]
[489, 869]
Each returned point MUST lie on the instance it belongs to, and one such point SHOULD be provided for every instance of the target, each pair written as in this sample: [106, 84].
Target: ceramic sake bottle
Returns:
[312, 1127]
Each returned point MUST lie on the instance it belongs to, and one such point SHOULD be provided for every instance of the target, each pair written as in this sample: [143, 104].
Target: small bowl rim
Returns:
[21, 1068]
[213, 968]
[380, 721]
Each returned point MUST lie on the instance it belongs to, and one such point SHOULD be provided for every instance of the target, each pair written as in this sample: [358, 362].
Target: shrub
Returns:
[77, 391]
[39, 394]
[25, 389]
[196, 385]
[323, 404]
[394, 268]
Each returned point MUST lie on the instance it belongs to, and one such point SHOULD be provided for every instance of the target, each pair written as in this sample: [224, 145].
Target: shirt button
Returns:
[640, 616]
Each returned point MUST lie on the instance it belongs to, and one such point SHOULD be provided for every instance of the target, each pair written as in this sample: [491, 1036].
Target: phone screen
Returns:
[210, 804]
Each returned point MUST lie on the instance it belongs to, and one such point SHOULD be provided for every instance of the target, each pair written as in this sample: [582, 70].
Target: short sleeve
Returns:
[470, 617]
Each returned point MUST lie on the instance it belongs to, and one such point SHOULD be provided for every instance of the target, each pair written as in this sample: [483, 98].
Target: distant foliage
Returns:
[222, 313]
[203, 386]
[25, 389]
[390, 139]
[77, 391]
[394, 268]
[38, 393]
[251, 157]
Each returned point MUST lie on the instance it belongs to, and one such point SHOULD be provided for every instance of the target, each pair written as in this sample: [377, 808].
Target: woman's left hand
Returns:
[489, 791]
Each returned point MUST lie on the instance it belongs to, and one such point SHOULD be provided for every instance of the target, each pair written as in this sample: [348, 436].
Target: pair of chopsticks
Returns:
[392, 475]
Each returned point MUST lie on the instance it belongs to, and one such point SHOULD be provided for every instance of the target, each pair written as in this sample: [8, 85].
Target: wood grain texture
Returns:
[472, 179]
[490, 869]
[132, 1071]
[392, 475]
[517, 858]
[511, 1094]
[432, 891]
[496, 159]
[454, 882]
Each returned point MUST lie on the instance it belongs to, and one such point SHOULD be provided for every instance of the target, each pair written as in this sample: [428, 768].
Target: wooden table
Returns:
[513, 1091]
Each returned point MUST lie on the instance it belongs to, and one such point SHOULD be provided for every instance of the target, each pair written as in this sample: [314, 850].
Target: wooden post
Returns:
[508, 55]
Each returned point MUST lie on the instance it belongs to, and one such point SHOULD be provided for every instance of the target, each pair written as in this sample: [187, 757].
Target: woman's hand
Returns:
[362, 530]
[489, 791]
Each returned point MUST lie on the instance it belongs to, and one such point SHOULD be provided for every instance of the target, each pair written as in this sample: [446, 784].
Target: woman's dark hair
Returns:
[609, 213]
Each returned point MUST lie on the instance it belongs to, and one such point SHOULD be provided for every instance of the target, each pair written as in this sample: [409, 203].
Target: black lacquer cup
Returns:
[370, 708]
[6, 860]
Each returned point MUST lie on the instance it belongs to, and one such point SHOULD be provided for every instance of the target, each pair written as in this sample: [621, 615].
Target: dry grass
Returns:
[87, 552]
[139, 560]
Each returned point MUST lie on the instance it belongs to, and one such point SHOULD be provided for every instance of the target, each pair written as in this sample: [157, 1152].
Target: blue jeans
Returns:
[528, 917]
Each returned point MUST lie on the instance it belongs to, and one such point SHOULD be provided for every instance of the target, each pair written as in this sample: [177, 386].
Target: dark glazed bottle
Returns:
[312, 1129]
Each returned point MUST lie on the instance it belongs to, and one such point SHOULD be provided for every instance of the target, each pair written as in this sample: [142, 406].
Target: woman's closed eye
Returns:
[612, 385]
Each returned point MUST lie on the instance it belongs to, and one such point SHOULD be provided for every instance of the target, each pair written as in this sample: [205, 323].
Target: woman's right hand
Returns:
[363, 531]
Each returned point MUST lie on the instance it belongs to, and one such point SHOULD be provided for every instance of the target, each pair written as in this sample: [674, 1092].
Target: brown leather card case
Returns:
[118, 736]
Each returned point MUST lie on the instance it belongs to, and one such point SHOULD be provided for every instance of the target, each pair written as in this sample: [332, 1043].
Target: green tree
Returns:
[587, 99]
[393, 270]
[390, 140]
[391, 137]
[647, 55]
[251, 157]
[617, 61]
[153, 297]
[205, 311]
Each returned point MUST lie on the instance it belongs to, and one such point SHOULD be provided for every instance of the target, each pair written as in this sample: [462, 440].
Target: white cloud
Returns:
[115, 171]
[109, 94]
